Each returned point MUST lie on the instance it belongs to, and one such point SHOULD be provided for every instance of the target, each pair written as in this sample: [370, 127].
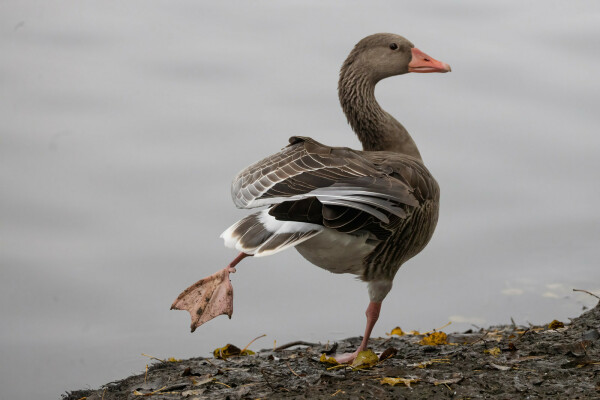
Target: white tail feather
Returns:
[260, 234]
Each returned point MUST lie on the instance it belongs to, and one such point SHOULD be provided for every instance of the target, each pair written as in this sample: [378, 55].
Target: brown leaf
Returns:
[425, 364]
[332, 350]
[388, 353]
[446, 381]
[192, 392]
[397, 381]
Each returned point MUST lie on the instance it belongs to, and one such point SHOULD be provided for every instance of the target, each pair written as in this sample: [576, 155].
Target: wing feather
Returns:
[380, 185]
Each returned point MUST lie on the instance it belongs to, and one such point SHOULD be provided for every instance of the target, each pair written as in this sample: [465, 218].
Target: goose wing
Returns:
[307, 171]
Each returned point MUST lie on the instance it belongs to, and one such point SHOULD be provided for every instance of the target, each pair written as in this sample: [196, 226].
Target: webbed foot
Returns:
[208, 298]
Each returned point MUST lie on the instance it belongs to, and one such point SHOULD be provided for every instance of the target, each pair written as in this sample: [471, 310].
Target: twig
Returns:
[137, 393]
[252, 341]
[290, 367]
[266, 380]
[153, 358]
[585, 291]
[296, 343]
[523, 334]
[481, 337]
[436, 330]
[208, 361]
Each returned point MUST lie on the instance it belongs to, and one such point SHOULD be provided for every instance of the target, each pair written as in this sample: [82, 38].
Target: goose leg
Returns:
[209, 297]
[372, 314]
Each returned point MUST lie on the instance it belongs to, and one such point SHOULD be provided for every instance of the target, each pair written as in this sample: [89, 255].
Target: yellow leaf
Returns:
[365, 359]
[328, 360]
[396, 331]
[173, 359]
[556, 325]
[493, 352]
[434, 339]
[229, 351]
[396, 381]
[416, 333]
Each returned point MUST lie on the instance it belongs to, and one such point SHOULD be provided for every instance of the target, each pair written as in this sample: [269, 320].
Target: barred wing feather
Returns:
[333, 175]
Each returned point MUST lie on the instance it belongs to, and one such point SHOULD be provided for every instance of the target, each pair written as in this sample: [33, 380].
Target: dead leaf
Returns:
[397, 381]
[332, 350]
[192, 392]
[425, 364]
[388, 353]
[495, 352]
[500, 367]
[137, 393]
[396, 331]
[556, 324]
[230, 350]
[365, 359]
[447, 381]
[328, 360]
[203, 380]
[434, 339]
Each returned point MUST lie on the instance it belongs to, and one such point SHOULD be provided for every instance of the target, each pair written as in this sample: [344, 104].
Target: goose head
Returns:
[383, 55]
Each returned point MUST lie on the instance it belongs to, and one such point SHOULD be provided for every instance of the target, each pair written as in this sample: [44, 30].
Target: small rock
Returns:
[591, 335]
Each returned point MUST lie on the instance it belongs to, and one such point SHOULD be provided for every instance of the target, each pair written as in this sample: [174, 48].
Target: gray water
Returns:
[123, 123]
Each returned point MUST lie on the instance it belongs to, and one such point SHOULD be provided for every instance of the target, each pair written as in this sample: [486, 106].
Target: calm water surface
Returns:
[124, 122]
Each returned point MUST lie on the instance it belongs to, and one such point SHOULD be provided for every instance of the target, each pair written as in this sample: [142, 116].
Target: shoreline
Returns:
[505, 361]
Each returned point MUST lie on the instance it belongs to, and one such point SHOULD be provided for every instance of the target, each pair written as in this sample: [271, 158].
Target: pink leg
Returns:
[236, 261]
[209, 297]
[372, 315]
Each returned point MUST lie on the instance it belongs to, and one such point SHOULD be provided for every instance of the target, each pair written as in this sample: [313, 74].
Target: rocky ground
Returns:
[501, 362]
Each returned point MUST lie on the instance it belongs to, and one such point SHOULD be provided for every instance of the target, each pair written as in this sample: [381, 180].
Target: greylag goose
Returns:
[347, 211]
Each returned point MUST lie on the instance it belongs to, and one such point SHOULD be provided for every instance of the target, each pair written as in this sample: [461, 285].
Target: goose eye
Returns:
[394, 46]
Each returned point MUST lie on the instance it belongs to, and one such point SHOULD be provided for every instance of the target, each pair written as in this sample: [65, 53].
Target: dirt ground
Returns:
[501, 362]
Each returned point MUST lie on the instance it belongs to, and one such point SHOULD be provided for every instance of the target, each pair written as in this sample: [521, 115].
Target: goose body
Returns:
[347, 211]
[363, 212]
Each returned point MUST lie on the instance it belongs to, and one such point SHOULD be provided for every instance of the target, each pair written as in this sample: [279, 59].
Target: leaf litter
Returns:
[500, 362]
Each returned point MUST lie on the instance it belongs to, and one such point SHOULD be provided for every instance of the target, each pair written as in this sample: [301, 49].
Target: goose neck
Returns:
[376, 129]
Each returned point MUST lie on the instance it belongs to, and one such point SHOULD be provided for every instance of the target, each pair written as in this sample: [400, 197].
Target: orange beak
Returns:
[421, 62]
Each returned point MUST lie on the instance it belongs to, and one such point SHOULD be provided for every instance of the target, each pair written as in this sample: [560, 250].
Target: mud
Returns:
[501, 362]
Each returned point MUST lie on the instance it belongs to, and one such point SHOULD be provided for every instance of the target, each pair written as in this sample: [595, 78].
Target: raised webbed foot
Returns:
[207, 298]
